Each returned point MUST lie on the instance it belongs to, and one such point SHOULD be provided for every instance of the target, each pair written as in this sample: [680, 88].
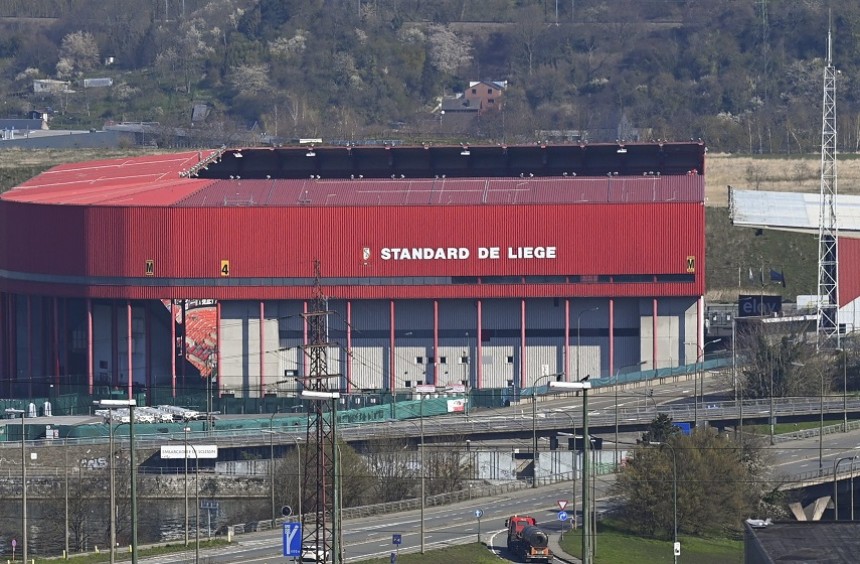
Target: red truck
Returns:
[526, 541]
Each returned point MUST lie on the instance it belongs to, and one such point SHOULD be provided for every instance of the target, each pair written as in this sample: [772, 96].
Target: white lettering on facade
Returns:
[531, 252]
[463, 253]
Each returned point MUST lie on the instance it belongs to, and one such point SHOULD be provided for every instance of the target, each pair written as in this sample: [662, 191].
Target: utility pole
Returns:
[828, 230]
[321, 516]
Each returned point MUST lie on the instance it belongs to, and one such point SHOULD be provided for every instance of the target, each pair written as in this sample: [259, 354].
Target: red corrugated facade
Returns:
[849, 281]
[95, 229]
[588, 239]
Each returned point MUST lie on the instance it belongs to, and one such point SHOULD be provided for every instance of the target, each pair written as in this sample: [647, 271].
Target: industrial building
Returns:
[445, 266]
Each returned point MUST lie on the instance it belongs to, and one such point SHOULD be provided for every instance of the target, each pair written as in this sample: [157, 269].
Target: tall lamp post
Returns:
[676, 547]
[423, 469]
[111, 433]
[700, 375]
[584, 387]
[22, 413]
[617, 373]
[844, 389]
[272, 464]
[130, 404]
[836, 488]
[534, 424]
[196, 495]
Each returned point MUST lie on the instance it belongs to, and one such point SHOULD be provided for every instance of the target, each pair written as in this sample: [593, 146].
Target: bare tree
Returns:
[79, 53]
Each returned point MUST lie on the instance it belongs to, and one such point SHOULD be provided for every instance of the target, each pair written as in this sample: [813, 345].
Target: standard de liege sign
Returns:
[178, 451]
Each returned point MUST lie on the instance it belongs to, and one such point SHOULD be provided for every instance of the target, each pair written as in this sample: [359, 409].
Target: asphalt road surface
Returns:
[444, 526]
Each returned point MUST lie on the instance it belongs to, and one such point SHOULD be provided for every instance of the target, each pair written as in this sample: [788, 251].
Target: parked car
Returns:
[313, 553]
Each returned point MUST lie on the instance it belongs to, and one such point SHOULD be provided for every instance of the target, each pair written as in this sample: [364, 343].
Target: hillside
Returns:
[743, 75]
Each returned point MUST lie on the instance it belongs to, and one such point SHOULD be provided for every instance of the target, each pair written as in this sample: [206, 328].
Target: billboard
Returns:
[759, 305]
[194, 451]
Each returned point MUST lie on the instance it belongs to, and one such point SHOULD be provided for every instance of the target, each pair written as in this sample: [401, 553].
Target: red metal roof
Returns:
[454, 191]
[368, 176]
[152, 180]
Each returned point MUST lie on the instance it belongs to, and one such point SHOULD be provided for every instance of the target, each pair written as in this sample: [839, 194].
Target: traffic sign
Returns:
[676, 547]
[479, 513]
[562, 503]
[396, 539]
[292, 539]
[562, 515]
[209, 504]
[286, 511]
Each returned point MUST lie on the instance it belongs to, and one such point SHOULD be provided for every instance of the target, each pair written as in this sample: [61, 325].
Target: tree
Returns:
[709, 467]
[777, 362]
[661, 430]
[79, 54]
[393, 472]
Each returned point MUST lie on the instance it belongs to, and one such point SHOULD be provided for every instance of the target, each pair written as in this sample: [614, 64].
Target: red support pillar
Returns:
[479, 347]
[262, 348]
[304, 348]
[392, 378]
[90, 353]
[348, 346]
[129, 351]
[522, 343]
[435, 344]
[114, 345]
[56, 342]
[29, 345]
[148, 337]
[611, 336]
[217, 348]
[173, 349]
[654, 336]
[567, 375]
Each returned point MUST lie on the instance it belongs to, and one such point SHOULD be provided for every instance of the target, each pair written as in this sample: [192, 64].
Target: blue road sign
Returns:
[292, 539]
[562, 515]
[396, 538]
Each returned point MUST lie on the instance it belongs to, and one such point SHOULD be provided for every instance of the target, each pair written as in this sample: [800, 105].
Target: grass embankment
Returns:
[122, 554]
[615, 544]
[783, 428]
[467, 554]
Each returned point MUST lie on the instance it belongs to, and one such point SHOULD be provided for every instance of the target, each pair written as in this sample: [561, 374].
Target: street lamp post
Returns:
[196, 495]
[617, 373]
[844, 389]
[185, 431]
[22, 413]
[272, 464]
[836, 488]
[534, 425]
[423, 469]
[130, 404]
[700, 375]
[584, 387]
[675, 545]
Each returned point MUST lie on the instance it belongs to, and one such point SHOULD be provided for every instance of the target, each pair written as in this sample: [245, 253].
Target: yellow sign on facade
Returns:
[691, 264]
[150, 267]
[225, 268]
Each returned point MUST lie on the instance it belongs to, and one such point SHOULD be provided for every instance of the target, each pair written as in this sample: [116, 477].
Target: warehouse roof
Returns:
[791, 211]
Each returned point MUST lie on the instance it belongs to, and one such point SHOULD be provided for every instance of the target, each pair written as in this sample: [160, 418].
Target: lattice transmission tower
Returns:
[321, 515]
[828, 229]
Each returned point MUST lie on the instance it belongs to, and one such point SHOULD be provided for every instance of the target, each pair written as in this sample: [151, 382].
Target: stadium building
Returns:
[445, 266]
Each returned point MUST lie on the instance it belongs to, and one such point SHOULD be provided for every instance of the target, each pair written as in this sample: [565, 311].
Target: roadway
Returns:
[371, 537]
[444, 526]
